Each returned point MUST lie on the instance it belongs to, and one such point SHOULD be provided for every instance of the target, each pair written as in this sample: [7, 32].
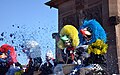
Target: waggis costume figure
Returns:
[91, 33]
[69, 40]
[48, 66]
[7, 58]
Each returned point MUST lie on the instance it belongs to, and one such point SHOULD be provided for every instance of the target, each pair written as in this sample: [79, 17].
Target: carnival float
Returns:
[83, 50]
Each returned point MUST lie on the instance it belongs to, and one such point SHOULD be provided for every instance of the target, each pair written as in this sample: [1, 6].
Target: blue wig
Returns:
[97, 31]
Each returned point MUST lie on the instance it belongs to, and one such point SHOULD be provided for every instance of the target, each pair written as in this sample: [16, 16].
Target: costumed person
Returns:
[30, 68]
[15, 69]
[7, 58]
[92, 34]
[69, 40]
[37, 63]
[48, 66]
[33, 50]
[90, 31]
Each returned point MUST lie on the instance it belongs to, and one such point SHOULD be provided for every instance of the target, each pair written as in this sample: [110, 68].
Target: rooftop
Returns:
[55, 3]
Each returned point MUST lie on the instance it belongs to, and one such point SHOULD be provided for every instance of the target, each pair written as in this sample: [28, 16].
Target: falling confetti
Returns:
[11, 35]
[2, 34]
[20, 34]
[13, 25]
[17, 26]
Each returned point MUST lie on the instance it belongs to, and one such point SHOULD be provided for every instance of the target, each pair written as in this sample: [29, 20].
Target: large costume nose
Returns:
[3, 56]
[82, 31]
[85, 32]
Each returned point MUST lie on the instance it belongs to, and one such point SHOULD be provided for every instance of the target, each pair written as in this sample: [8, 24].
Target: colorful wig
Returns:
[5, 48]
[97, 31]
[72, 34]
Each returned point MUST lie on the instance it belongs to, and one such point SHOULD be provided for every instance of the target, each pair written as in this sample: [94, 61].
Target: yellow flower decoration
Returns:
[19, 73]
[99, 47]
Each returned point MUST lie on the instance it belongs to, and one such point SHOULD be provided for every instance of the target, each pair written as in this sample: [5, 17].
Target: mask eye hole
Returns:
[87, 33]
[89, 29]
[66, 40]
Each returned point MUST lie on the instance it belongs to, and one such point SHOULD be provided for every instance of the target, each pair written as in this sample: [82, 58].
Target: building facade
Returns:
[107, 12]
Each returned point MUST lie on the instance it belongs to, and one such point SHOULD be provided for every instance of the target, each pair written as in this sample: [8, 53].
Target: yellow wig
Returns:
[72, 33]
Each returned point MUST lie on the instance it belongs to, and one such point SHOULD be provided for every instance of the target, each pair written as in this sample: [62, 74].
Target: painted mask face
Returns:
[66, 40]
[49, 55]
[87, 33]
[3, 55]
